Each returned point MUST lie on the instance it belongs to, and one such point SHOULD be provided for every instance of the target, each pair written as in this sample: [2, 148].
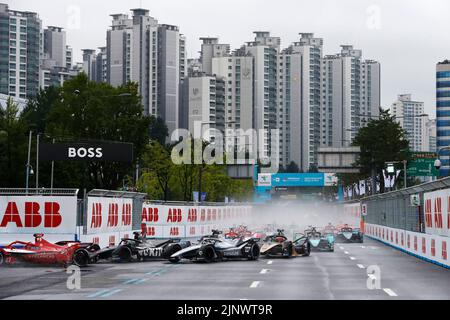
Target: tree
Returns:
[88, 111]
[381, 141]
[292, 168]
[13, 146]
[158, 130]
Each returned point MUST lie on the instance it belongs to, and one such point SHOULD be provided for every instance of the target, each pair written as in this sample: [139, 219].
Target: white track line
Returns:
[390, 292]
[270, 262]
[342, 248]
[346, 252]
[264, 271]
[255, 284]
[360, 266]
[352, 258]
[363, 247]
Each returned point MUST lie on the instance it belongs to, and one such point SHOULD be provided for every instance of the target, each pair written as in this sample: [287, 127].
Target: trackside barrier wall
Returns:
[105, 217]
[24, 213]
[420, 229]
[433, 248]
[190, 221]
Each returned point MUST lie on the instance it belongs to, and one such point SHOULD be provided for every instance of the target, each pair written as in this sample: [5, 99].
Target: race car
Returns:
[319, 241]
[279, 245]
[348, 234]
[215, 247]
[43, 252]
[138, 249]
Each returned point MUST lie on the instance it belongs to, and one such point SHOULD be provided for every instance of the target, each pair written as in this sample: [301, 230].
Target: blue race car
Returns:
[348, 234]
[322, 242]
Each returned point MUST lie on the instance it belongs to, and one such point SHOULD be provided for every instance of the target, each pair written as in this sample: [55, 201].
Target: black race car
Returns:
[348, 234]
[215, 247]
[279, 245]
[137, 249]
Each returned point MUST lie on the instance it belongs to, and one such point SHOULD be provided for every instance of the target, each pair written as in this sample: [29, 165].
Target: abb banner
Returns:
[427, 246]
[437, 212]
[169, 221]
[107, 215]
[38, 214]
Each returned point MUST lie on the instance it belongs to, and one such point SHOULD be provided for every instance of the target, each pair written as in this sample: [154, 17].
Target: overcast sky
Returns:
[408, 37]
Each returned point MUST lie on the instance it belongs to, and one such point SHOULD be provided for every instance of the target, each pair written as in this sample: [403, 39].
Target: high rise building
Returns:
[89, 64]
[430, 135]
[21, 44]
[101, 65]
[304, 105]
[55, 47]
[410, 115]
[211, 48]
[350, 96]
[443, 114]
[204, 105]
[153, 55]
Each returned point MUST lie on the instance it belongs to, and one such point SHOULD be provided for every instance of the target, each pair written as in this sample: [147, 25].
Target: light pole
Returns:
[28, 165]
[438, 162]
[37, 160]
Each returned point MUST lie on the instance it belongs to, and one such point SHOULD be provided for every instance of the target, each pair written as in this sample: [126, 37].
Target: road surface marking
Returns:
[131, 281]
[363, 247]
[109, 294]
[98, 293]
[270, 262]
[264, 271]
[346, 252]
[255, 284]
[390, 292]
[360, 266]
[352, 258]
[141, 281]
[372, 276]
[342, 248]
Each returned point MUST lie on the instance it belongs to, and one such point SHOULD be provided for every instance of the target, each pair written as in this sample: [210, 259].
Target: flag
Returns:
[362, 187]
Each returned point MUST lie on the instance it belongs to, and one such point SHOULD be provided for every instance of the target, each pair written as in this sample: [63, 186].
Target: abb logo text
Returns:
[96, 215]
[174, 216]
[192, 215]
[126, 214]
[150, 214]
[33, 215]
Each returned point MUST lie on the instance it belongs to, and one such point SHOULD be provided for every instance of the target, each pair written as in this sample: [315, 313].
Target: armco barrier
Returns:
[432, 248]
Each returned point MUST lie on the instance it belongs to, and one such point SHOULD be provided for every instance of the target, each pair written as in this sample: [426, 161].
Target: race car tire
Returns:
[290, 249]
[171, 251]
[175, 260]
[2, 259]
[81, 258]
[308, 251]
[254, 252]
[209, 253]
[125, 254]
[95, 247]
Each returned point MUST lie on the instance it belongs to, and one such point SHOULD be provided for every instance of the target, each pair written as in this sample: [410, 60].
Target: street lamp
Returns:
[438, 162]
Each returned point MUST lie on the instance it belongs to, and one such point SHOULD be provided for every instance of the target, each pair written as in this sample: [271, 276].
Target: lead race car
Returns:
[138, 249]
[279, 245]
[215, 247]
[319, 241]
[45, 253]
[347, 234]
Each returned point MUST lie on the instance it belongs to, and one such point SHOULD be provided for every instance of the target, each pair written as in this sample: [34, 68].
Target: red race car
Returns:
[44, 252]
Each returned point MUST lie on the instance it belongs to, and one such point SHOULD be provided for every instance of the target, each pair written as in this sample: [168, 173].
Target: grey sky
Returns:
[410, 38]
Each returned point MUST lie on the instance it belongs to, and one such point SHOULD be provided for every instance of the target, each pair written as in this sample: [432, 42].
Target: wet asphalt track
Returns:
[322, 276]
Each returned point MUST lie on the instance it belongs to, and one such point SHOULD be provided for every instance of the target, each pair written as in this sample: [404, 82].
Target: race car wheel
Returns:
[209, 254]
[175, 260]
[289, 251]
[81, 258]
[94, 248]
[254, 252]
[2, 259]
[125, 254]
[307, 250]
[171, 251]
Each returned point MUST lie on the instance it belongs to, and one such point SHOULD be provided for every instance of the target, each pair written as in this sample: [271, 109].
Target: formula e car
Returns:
[319, 241]
[43, 252]
[138, 249]
[348, 234]
[279, 245]
[215, 247]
